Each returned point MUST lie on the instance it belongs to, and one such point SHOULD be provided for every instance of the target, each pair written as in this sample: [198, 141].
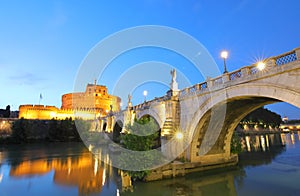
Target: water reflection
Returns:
[221, 182]
[82, 171]
[74, 167]
[262, 142]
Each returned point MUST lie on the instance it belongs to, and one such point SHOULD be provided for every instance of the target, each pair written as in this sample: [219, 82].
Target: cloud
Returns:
[26, 79]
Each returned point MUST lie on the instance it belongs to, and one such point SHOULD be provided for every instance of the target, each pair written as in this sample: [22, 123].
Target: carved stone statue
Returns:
[173, 74]
[129, 104]
[174, 84]
[129, 98]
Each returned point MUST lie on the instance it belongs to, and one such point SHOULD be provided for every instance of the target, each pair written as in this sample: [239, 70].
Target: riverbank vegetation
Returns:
[143, 135]
[29, 131]
[263, 118]
[235, 145]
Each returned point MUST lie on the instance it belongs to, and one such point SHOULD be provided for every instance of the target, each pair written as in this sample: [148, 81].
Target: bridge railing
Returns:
[243, 72]
[148, 103]
[286, 58]
[219, 81]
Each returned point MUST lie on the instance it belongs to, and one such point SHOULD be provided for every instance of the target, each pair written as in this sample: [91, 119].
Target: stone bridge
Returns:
[207, 113]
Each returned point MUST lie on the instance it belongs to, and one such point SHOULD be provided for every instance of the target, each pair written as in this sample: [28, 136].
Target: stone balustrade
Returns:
[242, 73]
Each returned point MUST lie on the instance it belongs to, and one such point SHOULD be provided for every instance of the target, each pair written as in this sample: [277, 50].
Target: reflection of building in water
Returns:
[293, 138]
[262, 142]
[94, 102]
[83, 172]
[282, 136]
[289, 138]
[126, 182]
[247, 138]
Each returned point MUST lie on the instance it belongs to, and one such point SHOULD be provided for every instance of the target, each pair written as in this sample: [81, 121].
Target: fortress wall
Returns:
[42, 112]
[37, 112]
[87, 105]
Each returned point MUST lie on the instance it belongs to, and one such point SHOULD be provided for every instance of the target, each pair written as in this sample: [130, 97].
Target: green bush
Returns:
[235, 145]
[148, 128]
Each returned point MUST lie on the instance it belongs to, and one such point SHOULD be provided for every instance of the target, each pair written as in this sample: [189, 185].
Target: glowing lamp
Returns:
[179, 135]
[261, 66]
[224, 55]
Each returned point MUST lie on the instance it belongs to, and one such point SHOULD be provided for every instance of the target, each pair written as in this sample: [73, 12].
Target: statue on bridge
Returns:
[173, 73]
[174, 84]
[129, 104]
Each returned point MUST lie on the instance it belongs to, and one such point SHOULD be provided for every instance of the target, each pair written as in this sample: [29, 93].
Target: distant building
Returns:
[94, 102]
[5, 113]
[285, 119]
[14, 114]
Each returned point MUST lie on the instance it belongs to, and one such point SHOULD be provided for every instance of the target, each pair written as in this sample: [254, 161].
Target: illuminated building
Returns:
[94, 102]
[285, 119]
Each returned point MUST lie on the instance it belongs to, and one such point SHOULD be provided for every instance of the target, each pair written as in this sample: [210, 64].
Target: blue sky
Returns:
[43, 43]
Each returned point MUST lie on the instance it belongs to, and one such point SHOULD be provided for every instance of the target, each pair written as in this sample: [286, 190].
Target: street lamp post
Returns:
[145, 95]
[261, 66]
[224, 55]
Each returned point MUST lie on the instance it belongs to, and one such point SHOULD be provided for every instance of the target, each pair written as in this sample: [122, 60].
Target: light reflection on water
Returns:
[270, 166]
[263, 142]
[70, 166]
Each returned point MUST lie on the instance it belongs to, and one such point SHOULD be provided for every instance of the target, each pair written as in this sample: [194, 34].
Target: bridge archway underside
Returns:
[219, 115]
[219, 129]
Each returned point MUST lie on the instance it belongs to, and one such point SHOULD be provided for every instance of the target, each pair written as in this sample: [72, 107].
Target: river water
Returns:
[269, 165]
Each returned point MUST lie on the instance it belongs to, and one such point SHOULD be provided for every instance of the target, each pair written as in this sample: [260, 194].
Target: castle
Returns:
[92, 103]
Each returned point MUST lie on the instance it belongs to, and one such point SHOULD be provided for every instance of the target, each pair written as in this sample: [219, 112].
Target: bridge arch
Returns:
[153, 114]
[118, 127]
[104, 126]
[157, 142]
[237, 101]
[119, 118]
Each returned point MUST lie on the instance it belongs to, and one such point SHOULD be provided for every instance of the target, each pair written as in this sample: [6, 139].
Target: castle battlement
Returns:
[95, 101]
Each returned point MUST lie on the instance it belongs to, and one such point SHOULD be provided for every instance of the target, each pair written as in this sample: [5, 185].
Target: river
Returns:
[269, 165]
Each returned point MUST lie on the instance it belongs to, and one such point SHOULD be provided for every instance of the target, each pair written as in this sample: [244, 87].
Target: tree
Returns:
[235, 145]
[263, 116]
[141, 137]
[18, 130]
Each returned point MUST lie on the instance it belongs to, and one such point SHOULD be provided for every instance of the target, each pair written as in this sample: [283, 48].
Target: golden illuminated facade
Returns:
[95, 97]
[94, 102]
[83, 171]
